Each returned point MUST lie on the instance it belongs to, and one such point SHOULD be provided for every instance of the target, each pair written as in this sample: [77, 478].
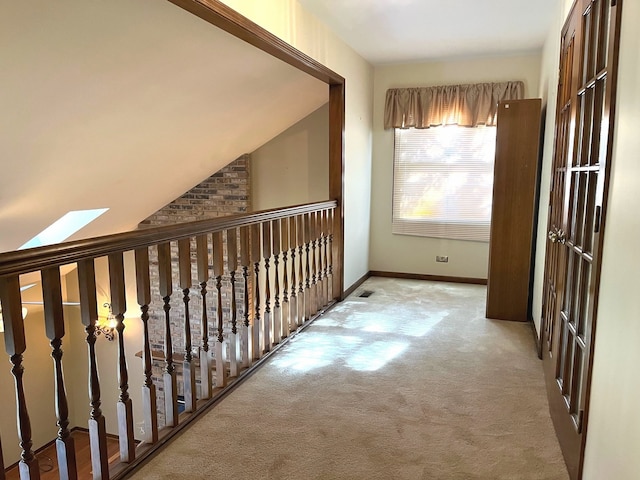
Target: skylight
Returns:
[64, 227]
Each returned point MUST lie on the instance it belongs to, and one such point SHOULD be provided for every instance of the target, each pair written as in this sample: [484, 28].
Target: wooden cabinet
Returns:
[513, 216]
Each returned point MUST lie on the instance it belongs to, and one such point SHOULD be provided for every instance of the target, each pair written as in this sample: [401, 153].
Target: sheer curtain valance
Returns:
[465, 105]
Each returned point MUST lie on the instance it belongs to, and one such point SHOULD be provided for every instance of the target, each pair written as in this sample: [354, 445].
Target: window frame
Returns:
[446, 228]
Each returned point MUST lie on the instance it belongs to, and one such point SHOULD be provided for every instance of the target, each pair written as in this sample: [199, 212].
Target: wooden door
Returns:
[515, 181]
[576, 216]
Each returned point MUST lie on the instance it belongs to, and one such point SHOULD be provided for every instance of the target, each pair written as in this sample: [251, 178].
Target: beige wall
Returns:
[402, 253]
[613, 437]
[293, 168]
[290, 21]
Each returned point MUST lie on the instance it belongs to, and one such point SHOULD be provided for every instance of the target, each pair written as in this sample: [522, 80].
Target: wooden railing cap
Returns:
[34, 259]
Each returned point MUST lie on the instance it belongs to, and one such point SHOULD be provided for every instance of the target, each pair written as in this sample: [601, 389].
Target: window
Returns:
[443, 182]
[64, 227]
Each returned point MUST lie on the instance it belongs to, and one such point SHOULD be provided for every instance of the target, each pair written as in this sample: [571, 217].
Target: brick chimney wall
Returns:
[226, 192]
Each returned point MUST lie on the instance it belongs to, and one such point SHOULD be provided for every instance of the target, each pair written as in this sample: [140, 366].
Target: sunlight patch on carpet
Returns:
[375, 356]
[399, 322]
[316, 350]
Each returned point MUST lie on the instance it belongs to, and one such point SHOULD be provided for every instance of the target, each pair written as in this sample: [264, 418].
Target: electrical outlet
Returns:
[442, 259]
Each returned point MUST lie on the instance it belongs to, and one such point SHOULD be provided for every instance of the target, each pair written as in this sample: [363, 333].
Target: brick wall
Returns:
[226, 192]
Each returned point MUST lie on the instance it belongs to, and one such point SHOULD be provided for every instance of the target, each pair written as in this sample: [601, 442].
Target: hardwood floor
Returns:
[49, 463]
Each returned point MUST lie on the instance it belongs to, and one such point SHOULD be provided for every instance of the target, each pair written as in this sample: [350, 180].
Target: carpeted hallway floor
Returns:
[410, 383]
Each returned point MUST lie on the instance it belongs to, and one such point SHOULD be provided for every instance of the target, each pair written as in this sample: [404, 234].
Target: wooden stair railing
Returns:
[296, 241]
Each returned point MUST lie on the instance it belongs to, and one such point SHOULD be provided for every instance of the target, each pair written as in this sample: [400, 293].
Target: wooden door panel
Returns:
[581, 165]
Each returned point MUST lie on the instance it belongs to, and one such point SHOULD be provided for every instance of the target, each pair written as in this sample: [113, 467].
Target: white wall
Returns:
[409, 254]
[293, 168]
[613, 438]
[290, 21]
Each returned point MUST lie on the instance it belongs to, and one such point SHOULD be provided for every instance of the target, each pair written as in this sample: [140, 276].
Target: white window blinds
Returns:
[443, 182]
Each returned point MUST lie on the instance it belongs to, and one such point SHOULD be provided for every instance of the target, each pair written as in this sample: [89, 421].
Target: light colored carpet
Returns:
[410, 383]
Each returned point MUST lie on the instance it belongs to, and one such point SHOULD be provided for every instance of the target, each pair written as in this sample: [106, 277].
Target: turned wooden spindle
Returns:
[325, 258]
[169, 377]
[303, 297]
[286, 313]
[321, 293]
[330, 282]
[15, 345]
[255, 258]
[54, 328]
[218, 270]
[234, 337]
[293, 298]
[266, 254]
[277, 309]
[89, 316]
[124, 405]
[202, 250]
[320, 259]
[245, 260]
[188, 366]
[308, 294]
[313, 233]
[149, 398]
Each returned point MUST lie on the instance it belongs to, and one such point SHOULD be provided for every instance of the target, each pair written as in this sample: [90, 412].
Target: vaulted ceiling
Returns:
[126, 105]
[392, 31]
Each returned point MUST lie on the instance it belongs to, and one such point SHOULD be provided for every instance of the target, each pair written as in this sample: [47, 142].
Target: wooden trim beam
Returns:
[220, 15]
[224, 17]
[336, 182]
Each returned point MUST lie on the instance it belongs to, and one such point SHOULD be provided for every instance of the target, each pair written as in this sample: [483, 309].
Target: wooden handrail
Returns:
[165, 261]
[34, 259]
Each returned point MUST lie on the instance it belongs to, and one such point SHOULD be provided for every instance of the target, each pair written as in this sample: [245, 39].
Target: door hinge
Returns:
[596, 220]
[614, 3]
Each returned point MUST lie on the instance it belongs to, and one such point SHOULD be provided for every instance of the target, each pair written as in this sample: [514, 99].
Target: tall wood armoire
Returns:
[514, 210]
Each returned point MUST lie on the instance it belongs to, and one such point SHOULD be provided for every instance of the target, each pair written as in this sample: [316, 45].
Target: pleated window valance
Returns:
[464, 105]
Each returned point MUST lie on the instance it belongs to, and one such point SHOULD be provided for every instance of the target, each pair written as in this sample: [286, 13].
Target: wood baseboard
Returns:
[536, 338]
[353, 287]
[433, 278]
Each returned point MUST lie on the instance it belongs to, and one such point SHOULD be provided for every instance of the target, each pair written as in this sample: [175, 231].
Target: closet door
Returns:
[514, 203]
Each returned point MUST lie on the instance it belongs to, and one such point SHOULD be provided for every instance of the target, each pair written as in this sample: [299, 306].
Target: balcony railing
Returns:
[247, 281]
